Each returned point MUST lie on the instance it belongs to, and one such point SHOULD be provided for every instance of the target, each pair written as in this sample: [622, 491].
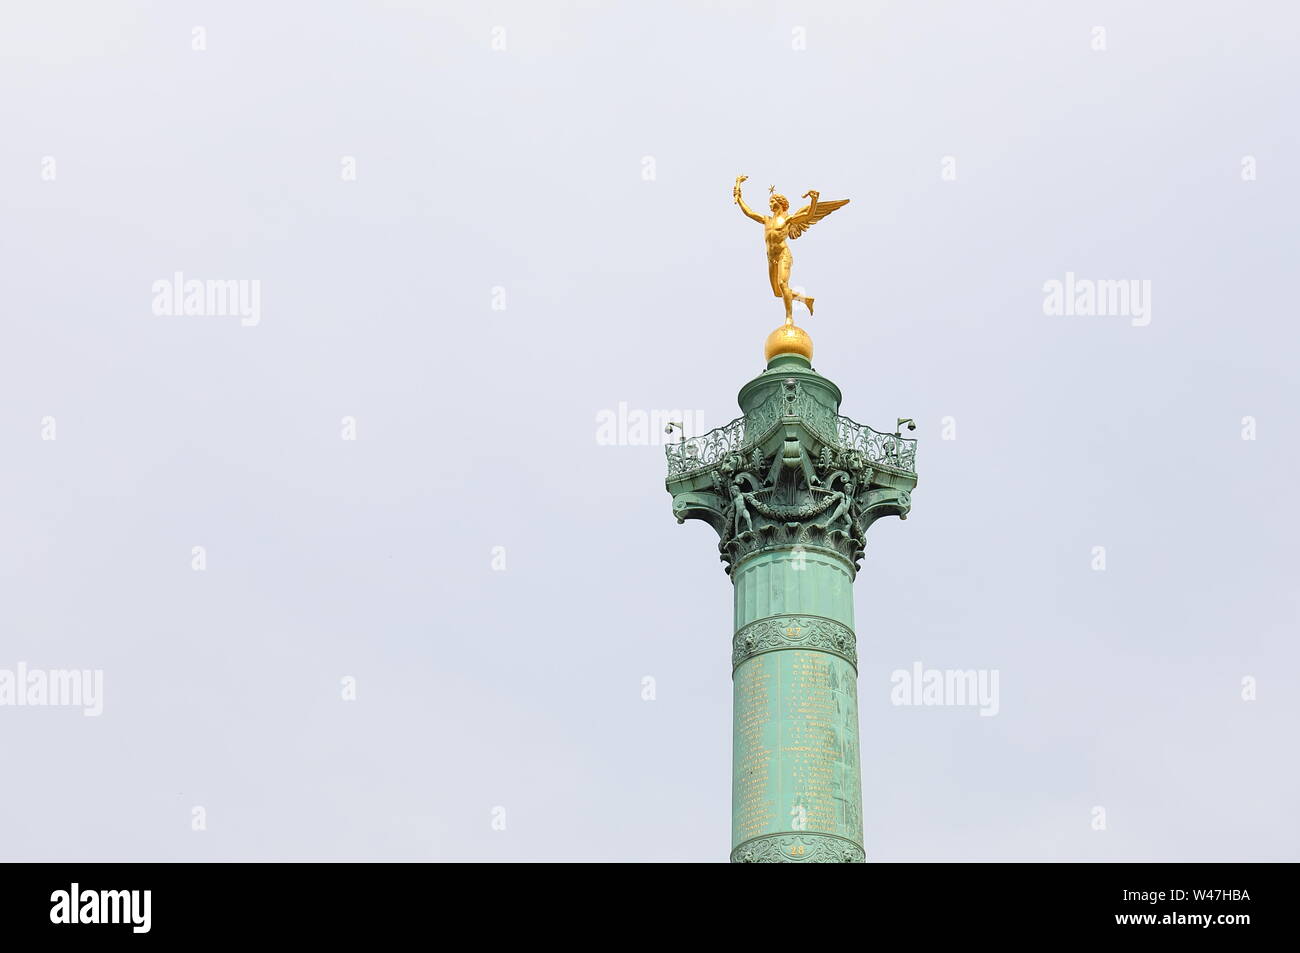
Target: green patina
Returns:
[791, 488]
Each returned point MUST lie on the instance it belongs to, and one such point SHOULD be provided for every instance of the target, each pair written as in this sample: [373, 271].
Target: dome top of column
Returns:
[783, 367]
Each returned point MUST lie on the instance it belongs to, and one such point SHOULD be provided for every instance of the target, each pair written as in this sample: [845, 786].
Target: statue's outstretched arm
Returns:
[735, 194]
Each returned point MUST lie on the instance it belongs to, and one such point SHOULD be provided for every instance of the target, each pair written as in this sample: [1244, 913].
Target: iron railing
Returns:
[880, 449]
[703, 451]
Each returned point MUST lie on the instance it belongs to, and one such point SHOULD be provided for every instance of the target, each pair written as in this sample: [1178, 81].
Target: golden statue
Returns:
[779, 226]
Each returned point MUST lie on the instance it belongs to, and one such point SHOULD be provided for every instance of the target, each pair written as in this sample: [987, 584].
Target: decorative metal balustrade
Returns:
[881, 449]
[705, 450]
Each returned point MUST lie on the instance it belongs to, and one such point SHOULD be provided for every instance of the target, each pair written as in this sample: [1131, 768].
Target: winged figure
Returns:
[779, 226]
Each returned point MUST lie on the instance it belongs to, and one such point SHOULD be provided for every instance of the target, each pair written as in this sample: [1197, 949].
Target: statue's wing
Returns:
[801, 220]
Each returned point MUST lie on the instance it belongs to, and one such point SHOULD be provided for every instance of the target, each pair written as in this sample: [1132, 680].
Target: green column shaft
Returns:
[796, 776]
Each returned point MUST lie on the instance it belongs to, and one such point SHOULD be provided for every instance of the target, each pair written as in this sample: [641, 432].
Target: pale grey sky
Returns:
[522, 169]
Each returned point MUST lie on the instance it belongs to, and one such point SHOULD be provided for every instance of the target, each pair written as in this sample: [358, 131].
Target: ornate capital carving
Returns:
[794, 632]
[798, 848]
[792, 473]
[801, 493]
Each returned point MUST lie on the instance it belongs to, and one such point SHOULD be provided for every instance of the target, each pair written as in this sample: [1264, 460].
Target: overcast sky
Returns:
[540, 233]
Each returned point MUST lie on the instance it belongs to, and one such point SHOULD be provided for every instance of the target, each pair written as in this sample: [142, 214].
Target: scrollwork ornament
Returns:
[794, 632]
[799, 848]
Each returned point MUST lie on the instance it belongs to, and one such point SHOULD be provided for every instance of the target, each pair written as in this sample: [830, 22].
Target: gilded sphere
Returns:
[788, 339]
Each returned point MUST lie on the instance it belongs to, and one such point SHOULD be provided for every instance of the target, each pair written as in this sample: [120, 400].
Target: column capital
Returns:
[792, 472]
